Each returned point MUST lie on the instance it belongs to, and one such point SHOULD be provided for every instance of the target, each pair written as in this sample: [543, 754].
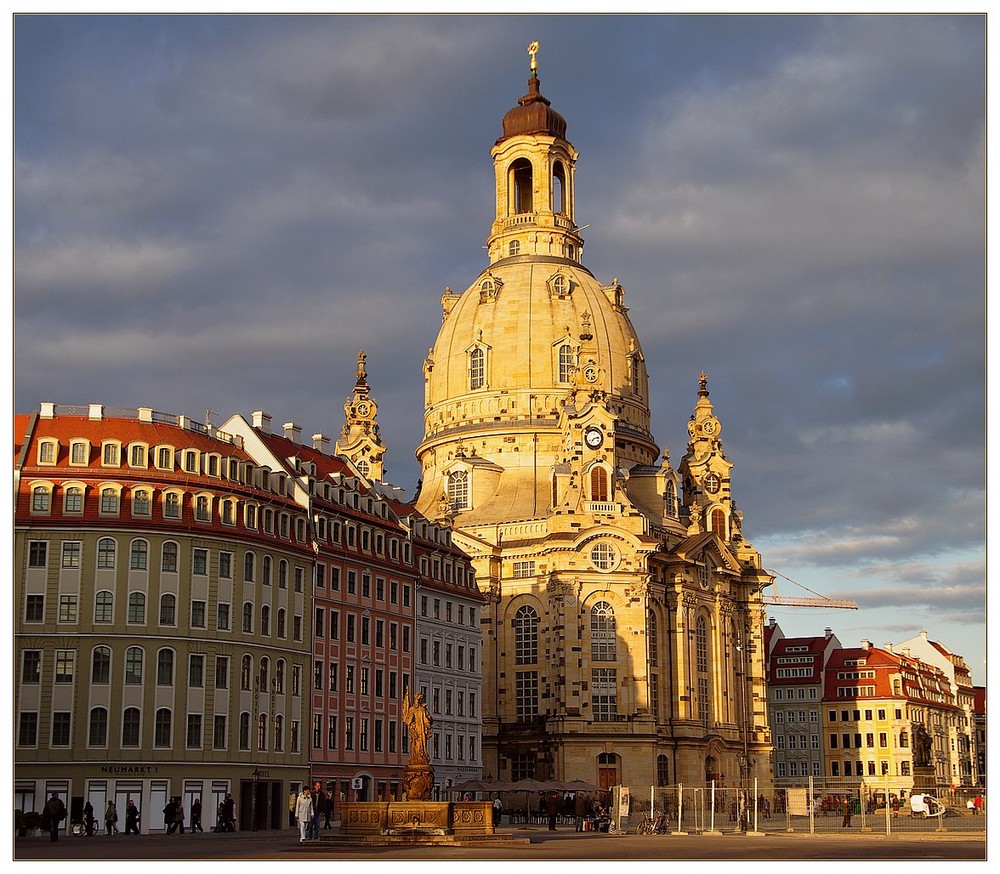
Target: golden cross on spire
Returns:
[533, 50]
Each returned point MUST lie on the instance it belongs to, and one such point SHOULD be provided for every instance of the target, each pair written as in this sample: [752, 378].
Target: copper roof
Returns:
[533, 115]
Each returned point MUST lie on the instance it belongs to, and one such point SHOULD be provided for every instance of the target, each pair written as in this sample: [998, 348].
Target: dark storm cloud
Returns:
[216, 213]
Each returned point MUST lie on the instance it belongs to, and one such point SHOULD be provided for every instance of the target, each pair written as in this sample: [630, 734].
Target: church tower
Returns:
[615, 612]
[360, 440]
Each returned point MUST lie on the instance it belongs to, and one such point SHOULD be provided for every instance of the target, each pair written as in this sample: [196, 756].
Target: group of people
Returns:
[173, 816]
[131, 818]
[312, 807]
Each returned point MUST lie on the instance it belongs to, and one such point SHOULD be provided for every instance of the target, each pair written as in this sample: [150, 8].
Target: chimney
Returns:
[96, 412]
[828, 633]
[866, 645]
[321, 443]
[293, 432]
[262, 421]
[47, 410]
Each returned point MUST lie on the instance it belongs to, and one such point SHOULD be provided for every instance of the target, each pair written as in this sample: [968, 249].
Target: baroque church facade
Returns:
[623, 625]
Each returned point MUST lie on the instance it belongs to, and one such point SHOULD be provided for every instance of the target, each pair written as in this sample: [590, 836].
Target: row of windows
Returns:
[446, 654]
[603, 695]
[603, 636]
[857, 769]
[804, 742]
[64, 669]
[163, 730]
[845, 739]
[855, 715]
[779, 716]
[355, 632]
[197, 617]
[433, 608]
[113, 453]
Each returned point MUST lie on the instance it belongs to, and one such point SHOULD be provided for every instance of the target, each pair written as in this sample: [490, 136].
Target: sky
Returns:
[215, 213]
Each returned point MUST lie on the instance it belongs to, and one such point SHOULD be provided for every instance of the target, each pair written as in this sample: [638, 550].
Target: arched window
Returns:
[109, 501]
[520, 176]
[265, 667]
[565, 362]
[246, 669]
[266, 570]
[559, 188]
[279, 676]
[40, 499]
[602, 633]
[265, 620]
[477, 368]
[168, 610]
[719, 522]
[97, 735]
[100, 666]
[281, 622]
[140, 502]
[168, 561]
[598, 484]
[130, 727]
[662, 771]
[278, 738]
[670, 499]
[248, 567]
[139, 555]
[244, 731]
[458, 489]
[262, 732]
[106, 549]
[133, 666]
[162, 728]
[136, 607]
[202, 510]
[701, 667]
[526, 636]
[514, 248]
[283, 573]
[104, 603]
[248, 617]
[165, 667]
[73, 502]
[172, 505]
[652, 638]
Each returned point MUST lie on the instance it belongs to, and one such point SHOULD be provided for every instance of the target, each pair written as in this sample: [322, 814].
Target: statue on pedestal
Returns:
[418, 780]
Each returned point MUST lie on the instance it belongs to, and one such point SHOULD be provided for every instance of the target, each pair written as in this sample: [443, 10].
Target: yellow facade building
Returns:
[623, 630]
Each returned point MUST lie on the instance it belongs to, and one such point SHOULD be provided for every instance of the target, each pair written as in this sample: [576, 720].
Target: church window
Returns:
[604, 556]
[520, 174]
[559, 285]
[526, 636]
[651, 635]
[565, 362]
[701, 665]
[364, 468]
[719, 523]
[670, 499]
[477, 368]
[526, 695]
[604, 694]
[458, 489]
[598, 484]
[515, 247]
[602, 633]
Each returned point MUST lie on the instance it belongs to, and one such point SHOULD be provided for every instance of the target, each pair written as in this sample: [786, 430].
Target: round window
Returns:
[604, 556]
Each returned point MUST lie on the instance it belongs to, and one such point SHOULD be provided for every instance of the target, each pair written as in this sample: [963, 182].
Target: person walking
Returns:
[304, 813]
[169, 817]
[579, 811]
[319, 809]
[179, 814]
[131, 818]
[196, 816]
[54, 812]
[89, 823]
[228, 814]
[111, 819]
[497, 810]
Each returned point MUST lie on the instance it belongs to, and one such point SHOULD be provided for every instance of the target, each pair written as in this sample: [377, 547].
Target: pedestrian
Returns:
[54, 813]
[111, 819]
[846, 810]
[497, 810]
[579, 811]
[131, 818]
[978, 802]
[196, 816]
[304, 813]
[179, 814]
[319, 809]
[553, 806]
[169, 817]
[228, 817]
[88, 819]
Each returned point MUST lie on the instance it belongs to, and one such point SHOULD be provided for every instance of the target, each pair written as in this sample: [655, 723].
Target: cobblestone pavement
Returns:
[545, 846]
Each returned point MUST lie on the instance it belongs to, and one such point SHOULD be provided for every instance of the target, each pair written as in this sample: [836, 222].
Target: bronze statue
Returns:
[921, 746]
[417, 718]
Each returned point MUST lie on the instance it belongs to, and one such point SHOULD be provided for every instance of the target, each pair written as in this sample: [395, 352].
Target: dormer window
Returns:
[458, 489]
[477, 368]
[48, 450]
[79, 452]
[165, 458]
[111, 453]
[137, 455]
[514, 248]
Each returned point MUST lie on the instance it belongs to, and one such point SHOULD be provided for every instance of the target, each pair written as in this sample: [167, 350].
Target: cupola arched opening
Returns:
[521, 186]
[559, 189]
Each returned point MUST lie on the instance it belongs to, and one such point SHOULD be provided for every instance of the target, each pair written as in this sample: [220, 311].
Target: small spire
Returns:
[703, 384]
[362, 373]
[533, 50]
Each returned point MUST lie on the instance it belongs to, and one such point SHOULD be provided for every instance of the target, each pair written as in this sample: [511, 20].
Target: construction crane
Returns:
[817, 601]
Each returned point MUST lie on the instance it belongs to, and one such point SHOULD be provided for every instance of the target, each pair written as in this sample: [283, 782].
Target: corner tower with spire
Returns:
[360, 439]
[605, 580]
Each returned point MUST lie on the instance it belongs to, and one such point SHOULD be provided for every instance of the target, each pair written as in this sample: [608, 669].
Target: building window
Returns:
[111, 454]
[130, 727]
[172, 505]
[27, 730]
[65, 666]
[196, 670]
[40, 499]
[603, 646]
[47, 452]
[248, 617]
[109, 502]
[566, 363]
[164, 459]
[165, 667]
[136, 607]
[140, 503]
[31, 666]
[73, 500]
[139, 555]
[526, 695]
[38, 553]
[138, 455]
[222, 672]
[526, 636]
[79, 453]
[458, 489]
[97, 734]
[168, 559]
[198, 614]
[162, 728]
[219, 732]
[604, 694]
[598, 484]
[106, 549]
[67, 608]
[133, 666]
[477, 368]
[202, 511]
[193, 731]
[222, 617]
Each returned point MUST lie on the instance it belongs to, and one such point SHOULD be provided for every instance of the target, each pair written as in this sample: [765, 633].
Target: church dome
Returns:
[533, 115]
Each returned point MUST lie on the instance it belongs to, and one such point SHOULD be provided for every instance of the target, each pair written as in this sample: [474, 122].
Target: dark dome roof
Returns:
[533, 115]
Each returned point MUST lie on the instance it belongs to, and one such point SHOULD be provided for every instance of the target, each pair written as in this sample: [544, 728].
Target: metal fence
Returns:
[818, 806]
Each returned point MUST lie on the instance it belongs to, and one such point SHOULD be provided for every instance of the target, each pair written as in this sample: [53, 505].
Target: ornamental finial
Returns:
[533, 50]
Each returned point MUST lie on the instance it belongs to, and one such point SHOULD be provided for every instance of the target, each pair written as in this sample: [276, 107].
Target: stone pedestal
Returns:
[924, 778]
[417, 818]
[418, 781]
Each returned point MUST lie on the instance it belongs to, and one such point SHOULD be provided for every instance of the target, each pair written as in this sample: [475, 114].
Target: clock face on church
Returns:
[593, 438]
[363, 409]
